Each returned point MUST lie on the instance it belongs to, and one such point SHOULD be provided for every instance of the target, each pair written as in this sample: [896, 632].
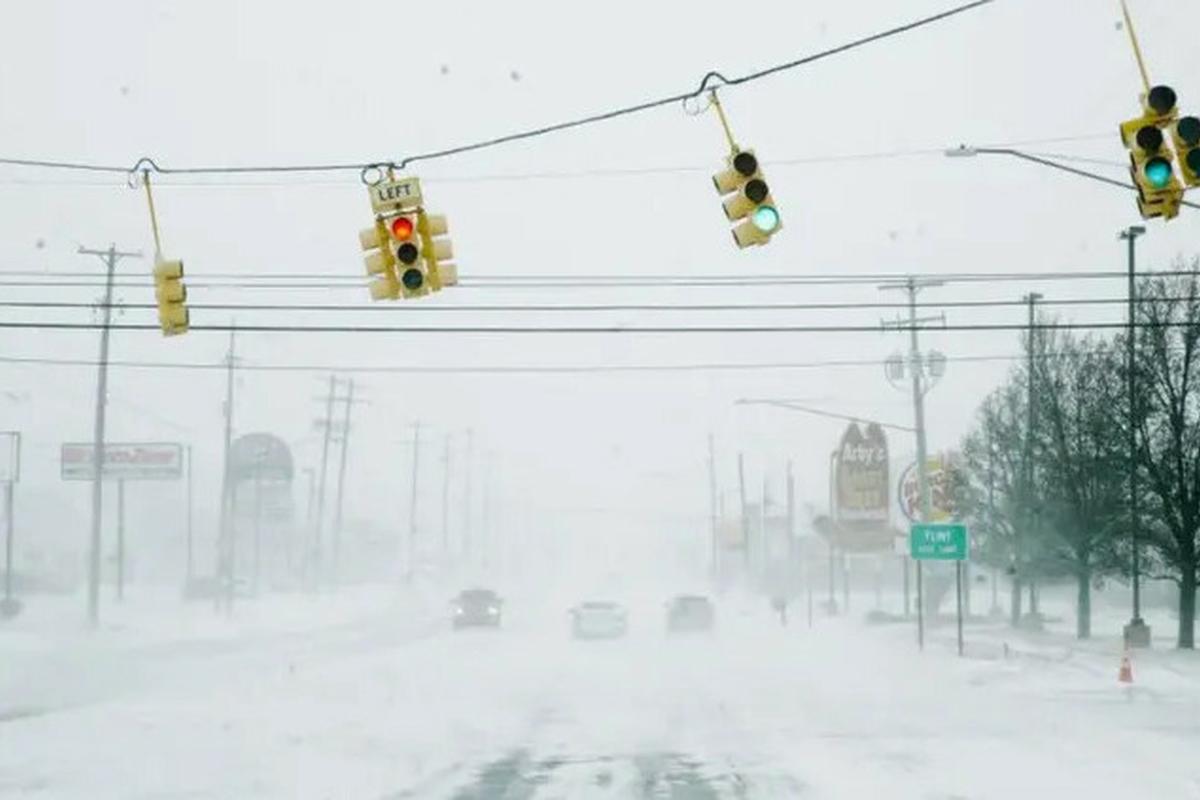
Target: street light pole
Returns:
[1137, 633]
[1031, 420]
[967, 151]
[110, 258]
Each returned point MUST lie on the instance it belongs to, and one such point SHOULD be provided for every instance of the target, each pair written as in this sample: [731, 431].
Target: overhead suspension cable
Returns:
[711, 80]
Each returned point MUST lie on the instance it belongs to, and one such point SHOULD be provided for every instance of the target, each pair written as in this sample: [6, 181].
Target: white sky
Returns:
[223, 82]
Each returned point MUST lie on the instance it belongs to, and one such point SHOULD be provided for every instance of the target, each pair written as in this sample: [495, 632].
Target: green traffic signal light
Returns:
[1158, 172]
[413, 279]
[765, 218]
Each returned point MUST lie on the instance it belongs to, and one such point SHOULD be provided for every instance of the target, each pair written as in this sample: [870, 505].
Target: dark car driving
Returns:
[689, 612]
[476, 608]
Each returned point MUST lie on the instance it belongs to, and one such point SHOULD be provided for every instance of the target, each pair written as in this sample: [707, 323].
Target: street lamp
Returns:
[1137, 632]
[967, 151]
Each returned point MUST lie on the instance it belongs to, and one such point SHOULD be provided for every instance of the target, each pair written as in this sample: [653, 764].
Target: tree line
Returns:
[1064, 457]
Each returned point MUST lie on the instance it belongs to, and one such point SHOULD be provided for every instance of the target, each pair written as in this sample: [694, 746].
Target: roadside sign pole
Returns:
[942, 542]
[920, 609]
[958, 585]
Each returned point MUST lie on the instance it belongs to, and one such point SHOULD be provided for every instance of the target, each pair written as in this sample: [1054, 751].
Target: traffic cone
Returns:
[1125, 675]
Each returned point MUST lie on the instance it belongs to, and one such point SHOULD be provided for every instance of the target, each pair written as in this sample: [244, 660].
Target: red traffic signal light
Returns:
[402, 229]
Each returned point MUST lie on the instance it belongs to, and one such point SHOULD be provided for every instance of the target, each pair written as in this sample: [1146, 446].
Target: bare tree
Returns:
[1168, 398]
[990, 485]
[1081, 457]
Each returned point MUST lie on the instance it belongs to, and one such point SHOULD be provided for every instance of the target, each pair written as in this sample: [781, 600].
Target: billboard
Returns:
[260, 456]
[861, 475]
[940, 469]
[140, 461]
[860, 493]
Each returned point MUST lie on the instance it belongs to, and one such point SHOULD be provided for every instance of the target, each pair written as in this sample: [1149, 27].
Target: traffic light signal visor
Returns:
[413, 279]
[1161, 100]
[745, 164]
[407, 253]
[1149, 139]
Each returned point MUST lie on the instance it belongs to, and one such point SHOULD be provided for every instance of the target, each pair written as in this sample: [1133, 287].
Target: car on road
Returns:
[688, 613]
[476, 608]
[599, 619]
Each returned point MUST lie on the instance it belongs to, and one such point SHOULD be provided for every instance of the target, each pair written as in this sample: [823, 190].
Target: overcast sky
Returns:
[223, 82]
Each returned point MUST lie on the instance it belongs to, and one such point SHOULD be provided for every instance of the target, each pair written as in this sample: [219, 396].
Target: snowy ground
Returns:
[368, 694]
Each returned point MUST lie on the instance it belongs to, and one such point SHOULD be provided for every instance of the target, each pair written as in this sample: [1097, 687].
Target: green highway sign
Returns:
[938, 541]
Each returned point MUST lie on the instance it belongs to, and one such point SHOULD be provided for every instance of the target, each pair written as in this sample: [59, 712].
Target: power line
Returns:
[602, 172]
[586, 330]
[711, 82]
[582, 308]
[331, 281]
[730, 366]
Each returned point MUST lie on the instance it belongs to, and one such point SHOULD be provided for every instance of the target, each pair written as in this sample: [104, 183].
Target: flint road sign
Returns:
[938, 541]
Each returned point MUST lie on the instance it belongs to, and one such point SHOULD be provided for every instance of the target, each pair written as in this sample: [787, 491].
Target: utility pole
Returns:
[446, 501]
[745, 515]
[916, 369]
[327, 425]
[227, 547]
[1137, 632]
[412, 505]
[110, 257]
[714, 564]
[341, 485]
[1031, 420]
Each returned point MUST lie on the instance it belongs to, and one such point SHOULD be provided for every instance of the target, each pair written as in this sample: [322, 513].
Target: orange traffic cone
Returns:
[1125, 675]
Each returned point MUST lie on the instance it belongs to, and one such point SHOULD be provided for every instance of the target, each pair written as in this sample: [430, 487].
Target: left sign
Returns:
[144, 461]
[395, 195]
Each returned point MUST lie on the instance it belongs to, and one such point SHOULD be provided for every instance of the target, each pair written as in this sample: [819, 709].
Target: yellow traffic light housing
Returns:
[379, 261]
[1150, 159]
[171, 296]
[438, 251]
[1185, 134]
[747, 200]
[408, 250]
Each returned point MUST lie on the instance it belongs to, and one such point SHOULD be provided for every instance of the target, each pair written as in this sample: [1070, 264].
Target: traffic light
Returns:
[438, 251]
[1150, 159]
[747, 200]
[1186, 133]
[408, 248]
[171, 296]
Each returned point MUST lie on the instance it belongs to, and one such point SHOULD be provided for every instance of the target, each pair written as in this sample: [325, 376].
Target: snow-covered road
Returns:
[369, 705]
